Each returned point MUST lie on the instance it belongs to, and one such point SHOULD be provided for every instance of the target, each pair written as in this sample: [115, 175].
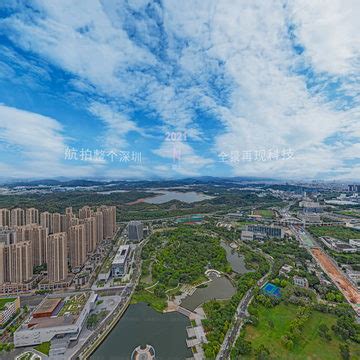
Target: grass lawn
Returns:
[310, 347]
[155, 302]
[339, 232]
[26, 356]
[43, 347]
[3, 301]
[265, 213]
[73, 305]
[242, 224]
[353, 213]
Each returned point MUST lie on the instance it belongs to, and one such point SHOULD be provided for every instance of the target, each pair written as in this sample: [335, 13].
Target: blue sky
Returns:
[93, 88]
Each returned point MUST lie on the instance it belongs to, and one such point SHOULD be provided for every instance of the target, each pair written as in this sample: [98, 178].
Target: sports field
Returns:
[266, 213]
[272, 290]
[275, 322]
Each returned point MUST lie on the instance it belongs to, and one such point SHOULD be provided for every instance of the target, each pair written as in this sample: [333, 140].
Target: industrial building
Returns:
[268, 231]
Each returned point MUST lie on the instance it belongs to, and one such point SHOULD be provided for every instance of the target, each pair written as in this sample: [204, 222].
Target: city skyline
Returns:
[143, 89]
[51, 242]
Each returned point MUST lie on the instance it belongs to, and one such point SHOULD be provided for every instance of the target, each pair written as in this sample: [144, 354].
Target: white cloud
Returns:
[196, 64]
[37, 135]
[183, 158]
[34, 146]
[329, 31]
[271, 105]
[117, 124]
[89, 41]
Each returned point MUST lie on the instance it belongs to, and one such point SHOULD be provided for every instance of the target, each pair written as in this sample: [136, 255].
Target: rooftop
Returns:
[48, 305]
[62, 310]
[121, 254]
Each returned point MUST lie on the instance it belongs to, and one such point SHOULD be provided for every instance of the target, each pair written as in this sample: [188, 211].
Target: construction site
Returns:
[342, 282]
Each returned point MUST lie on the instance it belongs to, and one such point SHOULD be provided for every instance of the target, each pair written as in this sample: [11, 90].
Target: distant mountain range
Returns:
[151, 182]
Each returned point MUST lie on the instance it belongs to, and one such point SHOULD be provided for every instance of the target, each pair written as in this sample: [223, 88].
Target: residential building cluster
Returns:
[60, 243]
[355, 188]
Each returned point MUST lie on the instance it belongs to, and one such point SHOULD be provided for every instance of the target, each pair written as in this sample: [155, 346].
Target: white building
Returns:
[354, 275]
[119, 264]
[285, 270]
[48, 324]
[247, 235]
[9, 309]
[300, 281]
[355, 242]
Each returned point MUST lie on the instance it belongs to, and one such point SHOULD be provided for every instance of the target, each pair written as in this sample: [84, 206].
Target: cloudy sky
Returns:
[125, 89]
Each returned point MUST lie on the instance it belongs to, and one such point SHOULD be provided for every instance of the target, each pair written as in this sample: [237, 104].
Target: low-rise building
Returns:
[235, 216]
[120, 262]
[45, 284]
[247, 235]
[310, 218]
[338, 245]
[268, 231]
[285, 270]
[15, 288]
[300, 281]
[310, 207]
[353, 275]
[355, 242]
[56, 316]
[8, 308]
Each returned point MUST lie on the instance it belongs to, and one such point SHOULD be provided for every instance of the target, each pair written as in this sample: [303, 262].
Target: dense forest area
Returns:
[58, 201]
[182, 255]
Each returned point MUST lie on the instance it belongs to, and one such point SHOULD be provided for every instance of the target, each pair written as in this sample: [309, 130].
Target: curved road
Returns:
[240, 315]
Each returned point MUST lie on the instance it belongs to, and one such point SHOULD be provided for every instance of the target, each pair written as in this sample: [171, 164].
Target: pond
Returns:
[141, 325]
[217, 288]
[235, 259]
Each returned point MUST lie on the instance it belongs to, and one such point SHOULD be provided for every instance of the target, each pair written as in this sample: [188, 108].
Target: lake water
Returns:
[217, 288]
[188, 197]
[142, 325]
[109, 192]
[235, 259]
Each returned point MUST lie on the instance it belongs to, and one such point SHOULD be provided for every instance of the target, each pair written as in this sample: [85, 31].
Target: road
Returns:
[330, 267]
[97, 338]
[234, 331]
[303, 237]
[240, 316]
